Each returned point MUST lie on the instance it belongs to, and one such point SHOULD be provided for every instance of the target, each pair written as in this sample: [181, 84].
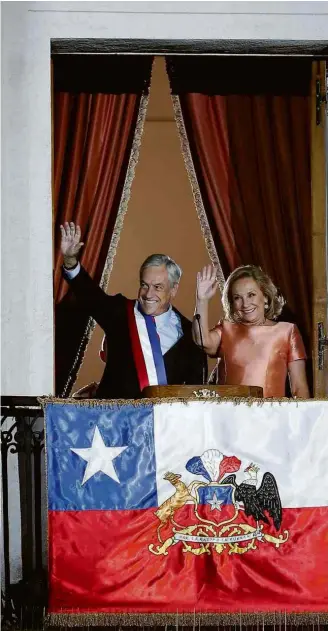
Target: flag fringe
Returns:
[193, 620]
[92, 403]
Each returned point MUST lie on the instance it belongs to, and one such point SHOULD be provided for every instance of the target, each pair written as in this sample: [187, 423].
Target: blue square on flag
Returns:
[100, 458]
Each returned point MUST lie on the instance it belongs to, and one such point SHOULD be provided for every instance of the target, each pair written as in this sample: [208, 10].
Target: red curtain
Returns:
[95, 107]
[248, 126]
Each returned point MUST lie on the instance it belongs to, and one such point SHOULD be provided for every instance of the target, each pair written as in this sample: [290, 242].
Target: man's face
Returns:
[155, 291]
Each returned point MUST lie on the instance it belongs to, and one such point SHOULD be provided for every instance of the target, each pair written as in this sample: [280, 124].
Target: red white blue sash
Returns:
[146, 348]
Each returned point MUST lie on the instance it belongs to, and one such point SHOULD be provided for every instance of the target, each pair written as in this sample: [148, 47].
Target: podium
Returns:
[202, 392]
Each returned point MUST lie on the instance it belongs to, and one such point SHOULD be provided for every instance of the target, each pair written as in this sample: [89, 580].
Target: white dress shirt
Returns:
[168, 324]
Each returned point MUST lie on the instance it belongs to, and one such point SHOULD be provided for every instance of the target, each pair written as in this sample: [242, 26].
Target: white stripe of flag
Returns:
[290, 440]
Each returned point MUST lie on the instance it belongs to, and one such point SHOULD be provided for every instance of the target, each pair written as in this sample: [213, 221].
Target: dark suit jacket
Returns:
[183, 362]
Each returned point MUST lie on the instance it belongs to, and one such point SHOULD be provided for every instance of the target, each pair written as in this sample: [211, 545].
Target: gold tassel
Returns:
[185, 619]
[92, 403]
[133, 161]
[205, 228]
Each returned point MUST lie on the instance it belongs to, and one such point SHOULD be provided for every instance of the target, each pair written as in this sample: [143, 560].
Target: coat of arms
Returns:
[219, 514]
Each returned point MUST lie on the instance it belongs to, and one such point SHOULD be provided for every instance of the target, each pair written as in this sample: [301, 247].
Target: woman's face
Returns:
[248, 301]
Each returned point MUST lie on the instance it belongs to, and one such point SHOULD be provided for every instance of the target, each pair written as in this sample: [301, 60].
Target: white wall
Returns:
[27, 28]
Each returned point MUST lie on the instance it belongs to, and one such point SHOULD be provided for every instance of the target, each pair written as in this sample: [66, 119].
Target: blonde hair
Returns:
[269, 290]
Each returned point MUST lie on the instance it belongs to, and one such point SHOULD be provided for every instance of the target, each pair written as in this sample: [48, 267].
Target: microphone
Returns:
[205, 366]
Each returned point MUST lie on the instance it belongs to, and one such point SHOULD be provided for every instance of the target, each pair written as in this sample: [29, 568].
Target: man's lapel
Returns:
[183, 340]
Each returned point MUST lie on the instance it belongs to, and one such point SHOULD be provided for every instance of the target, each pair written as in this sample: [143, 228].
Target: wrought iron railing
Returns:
[22, 450]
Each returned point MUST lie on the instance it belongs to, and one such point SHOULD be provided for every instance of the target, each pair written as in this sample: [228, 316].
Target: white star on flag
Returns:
[99, 457]
[215, 502]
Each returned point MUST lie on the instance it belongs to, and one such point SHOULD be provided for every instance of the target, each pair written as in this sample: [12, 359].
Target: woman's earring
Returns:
[266, 306]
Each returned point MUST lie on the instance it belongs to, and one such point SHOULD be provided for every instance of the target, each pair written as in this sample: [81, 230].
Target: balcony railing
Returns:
[23, 501]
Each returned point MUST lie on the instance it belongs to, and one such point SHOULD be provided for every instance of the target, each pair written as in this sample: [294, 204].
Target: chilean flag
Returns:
[207, 507]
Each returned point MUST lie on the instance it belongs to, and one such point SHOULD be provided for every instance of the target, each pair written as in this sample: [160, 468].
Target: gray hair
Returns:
[157, 260]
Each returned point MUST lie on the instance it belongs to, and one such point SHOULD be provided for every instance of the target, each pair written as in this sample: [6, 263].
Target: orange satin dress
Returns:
[258, 355]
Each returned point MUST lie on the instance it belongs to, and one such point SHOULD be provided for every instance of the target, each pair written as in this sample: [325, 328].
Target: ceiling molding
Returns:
[317, 49]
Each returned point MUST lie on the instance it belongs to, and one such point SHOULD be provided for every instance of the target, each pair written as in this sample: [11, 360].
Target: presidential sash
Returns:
[146, 348]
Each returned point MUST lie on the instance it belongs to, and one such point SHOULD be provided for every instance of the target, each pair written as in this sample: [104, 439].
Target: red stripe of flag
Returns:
[138, 357]
[100, 562]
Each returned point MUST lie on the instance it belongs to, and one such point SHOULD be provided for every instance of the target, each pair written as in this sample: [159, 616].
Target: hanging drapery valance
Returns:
[245, 133]
[99, 108]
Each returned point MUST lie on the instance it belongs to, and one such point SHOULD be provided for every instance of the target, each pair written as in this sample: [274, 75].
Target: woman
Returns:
[254, 350]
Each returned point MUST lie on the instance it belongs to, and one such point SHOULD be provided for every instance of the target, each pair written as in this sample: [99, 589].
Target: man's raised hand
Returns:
[70, 243]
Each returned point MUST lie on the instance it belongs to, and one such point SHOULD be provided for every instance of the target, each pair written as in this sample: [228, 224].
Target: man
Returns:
[148, 341]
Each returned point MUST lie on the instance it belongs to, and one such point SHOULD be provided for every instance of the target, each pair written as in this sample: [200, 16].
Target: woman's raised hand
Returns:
[207, 283]
[70, 242]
